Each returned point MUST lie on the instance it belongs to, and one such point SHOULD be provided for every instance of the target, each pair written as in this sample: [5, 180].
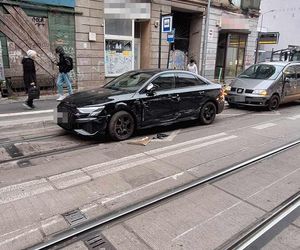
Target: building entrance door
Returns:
[230, 55]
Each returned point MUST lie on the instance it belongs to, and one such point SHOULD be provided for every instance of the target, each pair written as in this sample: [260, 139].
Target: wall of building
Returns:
[285, 19]
[89, 54]
[156, 7]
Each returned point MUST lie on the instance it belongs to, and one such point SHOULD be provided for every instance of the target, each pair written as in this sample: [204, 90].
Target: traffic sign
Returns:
[171, 36]
[167, 24]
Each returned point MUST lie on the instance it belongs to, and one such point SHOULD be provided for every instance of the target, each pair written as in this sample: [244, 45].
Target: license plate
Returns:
[61, 117]
[239, 99]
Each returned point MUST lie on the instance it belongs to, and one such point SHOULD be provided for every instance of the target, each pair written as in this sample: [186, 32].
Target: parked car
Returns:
[141, 99]
[265, 84]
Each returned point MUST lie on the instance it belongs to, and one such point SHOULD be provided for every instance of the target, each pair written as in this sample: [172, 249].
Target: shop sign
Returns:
[269, 38]
[167, 24]
[65, 3]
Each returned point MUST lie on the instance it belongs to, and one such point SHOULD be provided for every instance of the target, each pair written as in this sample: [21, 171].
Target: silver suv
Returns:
[265, 84]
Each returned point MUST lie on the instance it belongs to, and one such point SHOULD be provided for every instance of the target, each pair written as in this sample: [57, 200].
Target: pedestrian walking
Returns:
[192, 67]
[29, 76]
[65, 65]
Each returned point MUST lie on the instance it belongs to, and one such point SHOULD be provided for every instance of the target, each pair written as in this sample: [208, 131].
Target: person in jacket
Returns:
[192, 67]
[63, 76]
[29, 75]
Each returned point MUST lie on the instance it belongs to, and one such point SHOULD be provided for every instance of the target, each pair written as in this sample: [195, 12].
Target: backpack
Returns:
[69, 63]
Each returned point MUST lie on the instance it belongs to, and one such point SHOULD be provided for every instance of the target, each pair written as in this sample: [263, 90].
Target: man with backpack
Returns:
[65, 65]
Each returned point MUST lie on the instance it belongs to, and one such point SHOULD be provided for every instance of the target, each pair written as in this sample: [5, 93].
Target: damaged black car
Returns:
[141, 99]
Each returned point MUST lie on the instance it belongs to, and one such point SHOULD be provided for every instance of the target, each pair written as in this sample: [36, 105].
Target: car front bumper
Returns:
[67, 117]
[247, 100]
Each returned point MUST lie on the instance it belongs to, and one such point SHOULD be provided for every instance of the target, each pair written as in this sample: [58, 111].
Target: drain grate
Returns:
[74, 217]
[24, 164]
[13, 151]
[98, 242]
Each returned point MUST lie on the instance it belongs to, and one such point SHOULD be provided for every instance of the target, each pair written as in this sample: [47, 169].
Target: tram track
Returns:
[77, 232]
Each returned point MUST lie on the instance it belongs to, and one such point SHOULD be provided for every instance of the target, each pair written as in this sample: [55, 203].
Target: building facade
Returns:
[271, 20]
[107, 38]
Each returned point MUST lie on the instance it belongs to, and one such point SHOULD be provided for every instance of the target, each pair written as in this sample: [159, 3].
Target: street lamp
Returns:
[258, 35]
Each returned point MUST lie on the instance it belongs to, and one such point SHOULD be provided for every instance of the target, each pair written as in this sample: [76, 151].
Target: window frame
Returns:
[119, 38]
[160, 75]
[198, 80]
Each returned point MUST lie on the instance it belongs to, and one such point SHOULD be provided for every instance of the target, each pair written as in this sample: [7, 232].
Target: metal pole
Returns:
[159, 42]
[205, 39]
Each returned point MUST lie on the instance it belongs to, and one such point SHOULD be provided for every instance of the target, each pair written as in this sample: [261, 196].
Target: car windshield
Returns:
[262, 71]
[130, 81]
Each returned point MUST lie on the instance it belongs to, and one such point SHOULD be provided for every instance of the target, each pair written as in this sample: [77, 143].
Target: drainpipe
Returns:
[205, 39]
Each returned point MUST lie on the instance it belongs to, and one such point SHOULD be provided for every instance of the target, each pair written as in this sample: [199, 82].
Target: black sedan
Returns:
[141, 99]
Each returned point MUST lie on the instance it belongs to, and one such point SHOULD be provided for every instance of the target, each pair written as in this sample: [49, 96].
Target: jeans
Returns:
[61, 79]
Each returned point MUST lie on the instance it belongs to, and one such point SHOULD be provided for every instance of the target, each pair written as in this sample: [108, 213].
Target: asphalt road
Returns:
[107, 176]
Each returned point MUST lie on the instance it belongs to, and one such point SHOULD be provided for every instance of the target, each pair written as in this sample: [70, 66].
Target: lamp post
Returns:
[259, 33]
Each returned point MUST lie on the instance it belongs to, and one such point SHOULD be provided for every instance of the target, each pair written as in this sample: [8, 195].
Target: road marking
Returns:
[109, 199]
[26, 121]
[27, 113]
[234, 205]
[266, 125]
[75, 177]
[152, 157]
[69, 179]
[23, 190]
[294, 117]
[268, 113]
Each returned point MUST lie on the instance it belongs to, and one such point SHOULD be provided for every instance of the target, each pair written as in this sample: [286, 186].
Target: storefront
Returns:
[122, 35]
[232, 44]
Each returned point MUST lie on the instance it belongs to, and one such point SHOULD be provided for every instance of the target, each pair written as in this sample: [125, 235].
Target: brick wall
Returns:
[89, 55]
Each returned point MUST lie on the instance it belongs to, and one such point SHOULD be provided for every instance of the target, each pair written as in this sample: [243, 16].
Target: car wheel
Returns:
[121, 126]
[208, 113]
[273, 103]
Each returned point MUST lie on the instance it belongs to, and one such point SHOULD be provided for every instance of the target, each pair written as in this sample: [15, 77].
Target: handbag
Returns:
[34, 92]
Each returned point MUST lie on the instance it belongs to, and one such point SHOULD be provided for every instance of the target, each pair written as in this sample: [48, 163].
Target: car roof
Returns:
[280, 63]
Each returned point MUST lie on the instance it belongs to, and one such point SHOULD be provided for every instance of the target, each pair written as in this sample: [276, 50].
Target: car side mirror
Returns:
[150, 90]
[287, 79]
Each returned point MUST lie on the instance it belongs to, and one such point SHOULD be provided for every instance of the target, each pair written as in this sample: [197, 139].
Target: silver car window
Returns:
[262, 71]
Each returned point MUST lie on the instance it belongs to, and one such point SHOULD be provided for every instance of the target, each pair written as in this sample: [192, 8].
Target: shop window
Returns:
[119, 46]
[118, 27]
[4, 50]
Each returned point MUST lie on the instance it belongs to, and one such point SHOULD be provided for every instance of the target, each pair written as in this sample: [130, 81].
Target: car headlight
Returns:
[227, 88]
[92, 111]
[261, 92]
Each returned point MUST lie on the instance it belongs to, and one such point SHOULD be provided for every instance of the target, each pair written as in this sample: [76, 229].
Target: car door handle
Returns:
[175, 97]
[201, 92]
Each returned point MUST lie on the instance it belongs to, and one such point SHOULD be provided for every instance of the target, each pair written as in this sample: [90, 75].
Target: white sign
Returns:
[2, 77]
[167, 24]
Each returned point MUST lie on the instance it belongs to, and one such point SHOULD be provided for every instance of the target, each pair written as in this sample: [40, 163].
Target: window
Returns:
[4, 51]
[119, 46]
[164, 82]
[118, 27]
[298, 71]
[290, 72]
[187, 80]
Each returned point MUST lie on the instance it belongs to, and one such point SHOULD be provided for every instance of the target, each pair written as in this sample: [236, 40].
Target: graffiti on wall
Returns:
[178, 60]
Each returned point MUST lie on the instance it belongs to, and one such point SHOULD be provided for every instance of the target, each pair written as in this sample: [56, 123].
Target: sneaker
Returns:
[60, 98]
[27, 106]
[33, 106]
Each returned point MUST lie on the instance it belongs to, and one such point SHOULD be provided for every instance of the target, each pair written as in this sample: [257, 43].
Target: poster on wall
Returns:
[118, 57]
[2, 77]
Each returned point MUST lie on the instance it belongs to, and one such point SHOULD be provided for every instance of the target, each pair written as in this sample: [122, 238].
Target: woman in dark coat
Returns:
[29, 75]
